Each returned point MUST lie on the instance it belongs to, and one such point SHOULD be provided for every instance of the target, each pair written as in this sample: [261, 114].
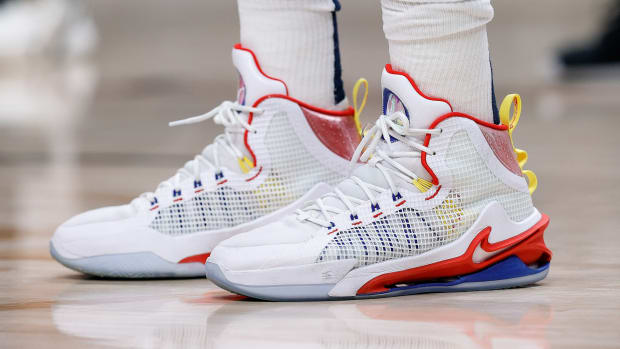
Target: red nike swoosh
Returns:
[529, 246]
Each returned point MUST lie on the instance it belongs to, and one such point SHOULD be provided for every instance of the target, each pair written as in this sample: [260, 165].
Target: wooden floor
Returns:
[94, 133]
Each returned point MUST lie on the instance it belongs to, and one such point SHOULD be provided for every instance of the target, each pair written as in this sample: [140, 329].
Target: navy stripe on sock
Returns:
[493, 100]
[338, 84]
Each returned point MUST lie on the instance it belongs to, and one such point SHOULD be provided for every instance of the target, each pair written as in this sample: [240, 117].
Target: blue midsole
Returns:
[509, 268]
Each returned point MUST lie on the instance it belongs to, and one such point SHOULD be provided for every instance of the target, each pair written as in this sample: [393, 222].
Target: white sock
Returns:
[294, 41]
[443, 46]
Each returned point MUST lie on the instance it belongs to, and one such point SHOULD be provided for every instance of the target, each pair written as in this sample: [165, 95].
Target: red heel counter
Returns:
[337, 132]
[499, 141]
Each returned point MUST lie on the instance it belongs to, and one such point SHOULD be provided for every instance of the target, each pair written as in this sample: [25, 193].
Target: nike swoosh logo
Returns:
[485, 249]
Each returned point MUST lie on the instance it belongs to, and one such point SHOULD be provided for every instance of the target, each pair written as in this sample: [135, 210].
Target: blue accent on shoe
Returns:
[396, 196]
[509, 268]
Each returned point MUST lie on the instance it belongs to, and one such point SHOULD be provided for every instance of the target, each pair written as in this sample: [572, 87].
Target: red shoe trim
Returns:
[154, 207]
[199, 258]
[357, 223]
[256, 175]
[333, 231]
[427, 139]
[400, 203]
[389, 69]
[177, 200]
[238, 46]
[222, 182]
[432, 196]
[529, 246]
[377, 215]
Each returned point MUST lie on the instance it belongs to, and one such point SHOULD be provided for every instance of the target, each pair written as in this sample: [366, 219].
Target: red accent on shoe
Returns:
[198, 191]
[499, 141]
[154, 207]
[432, 196]
[400, 203]
[389, 69]
[333, 231]
[427, 139]
[177, 200]
[346, 112]
[222, 182]
[199, 258]
[256, 175]
[377, 215]
[529, 246]
[338, 133]
[238, 46]
[357, 223]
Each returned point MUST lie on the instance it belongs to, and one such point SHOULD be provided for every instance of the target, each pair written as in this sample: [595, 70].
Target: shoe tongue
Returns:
[400, 93]
[253, 84]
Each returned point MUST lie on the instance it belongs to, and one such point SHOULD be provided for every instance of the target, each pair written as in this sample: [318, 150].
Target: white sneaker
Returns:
[442, 204]
[275, 154]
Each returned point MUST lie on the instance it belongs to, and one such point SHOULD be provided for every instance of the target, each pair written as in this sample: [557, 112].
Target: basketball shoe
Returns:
[440, 204]
[275, 154]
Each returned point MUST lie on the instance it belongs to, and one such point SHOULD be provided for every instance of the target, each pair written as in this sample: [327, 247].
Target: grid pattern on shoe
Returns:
[293, 173]
[410, 232]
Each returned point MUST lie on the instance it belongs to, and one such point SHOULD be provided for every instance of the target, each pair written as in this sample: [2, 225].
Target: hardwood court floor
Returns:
[90, 134]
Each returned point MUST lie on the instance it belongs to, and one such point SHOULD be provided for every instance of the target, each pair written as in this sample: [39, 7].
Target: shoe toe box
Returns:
[282, 243]
[93, 232]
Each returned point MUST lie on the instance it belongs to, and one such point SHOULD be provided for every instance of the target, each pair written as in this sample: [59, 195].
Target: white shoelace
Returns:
[396, 126]
[232, 116]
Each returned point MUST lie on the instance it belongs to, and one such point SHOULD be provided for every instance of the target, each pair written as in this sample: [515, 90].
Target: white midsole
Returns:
[348, 282]
[175, 248]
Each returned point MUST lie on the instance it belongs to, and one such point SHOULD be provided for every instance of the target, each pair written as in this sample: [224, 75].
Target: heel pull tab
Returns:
[358, 110]
[511, 122]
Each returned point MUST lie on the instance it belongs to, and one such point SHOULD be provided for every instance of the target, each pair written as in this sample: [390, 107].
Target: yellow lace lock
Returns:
[245, 164]
[511, 121]
[358, 110]
[422, 184]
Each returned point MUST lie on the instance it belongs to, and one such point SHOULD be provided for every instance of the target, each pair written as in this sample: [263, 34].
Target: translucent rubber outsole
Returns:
[139, 265]
[508, 273]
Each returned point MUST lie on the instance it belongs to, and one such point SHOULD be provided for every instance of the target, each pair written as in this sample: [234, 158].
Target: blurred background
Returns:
[87, 89]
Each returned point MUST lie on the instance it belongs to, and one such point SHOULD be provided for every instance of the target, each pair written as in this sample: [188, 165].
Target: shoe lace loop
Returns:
[232, 116]
[386, 130]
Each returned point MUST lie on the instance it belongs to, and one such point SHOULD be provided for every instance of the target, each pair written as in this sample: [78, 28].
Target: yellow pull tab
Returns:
[358, 110]
[245, 164]
[511, 122]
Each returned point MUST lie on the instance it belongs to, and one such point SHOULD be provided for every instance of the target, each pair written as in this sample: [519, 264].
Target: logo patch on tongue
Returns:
[392, 104]
[241, 91]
